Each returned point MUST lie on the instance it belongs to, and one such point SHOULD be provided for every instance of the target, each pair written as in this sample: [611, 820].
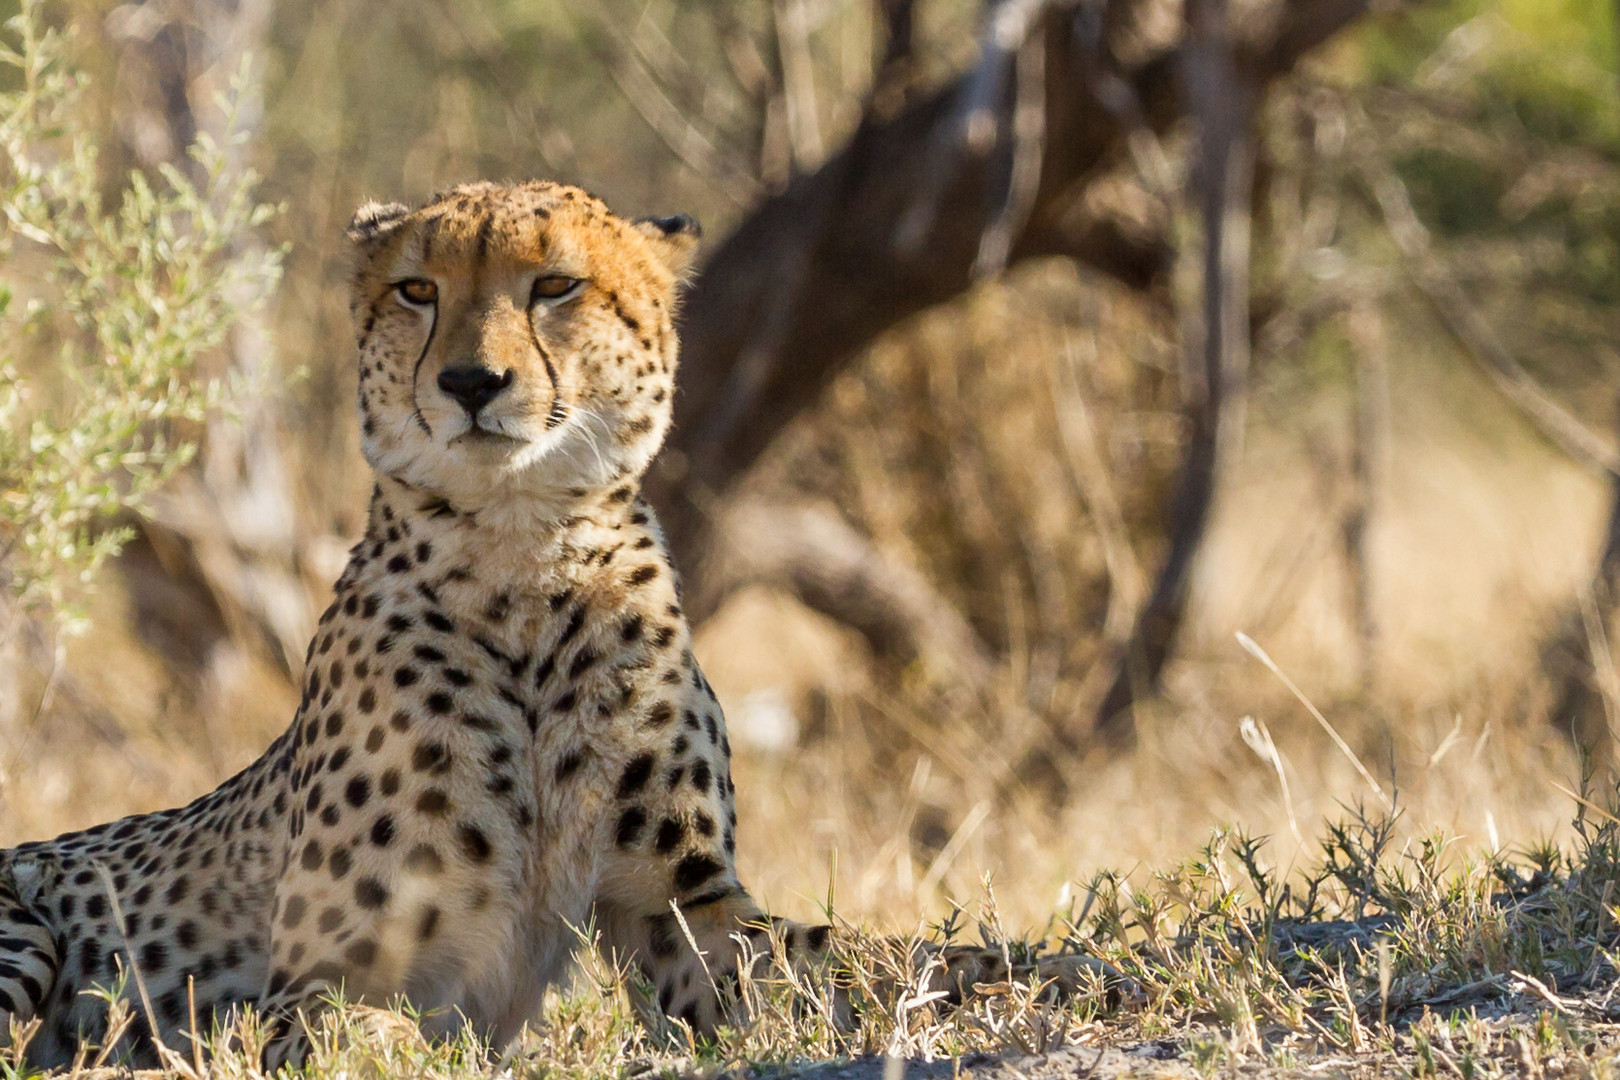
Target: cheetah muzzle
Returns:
[503, 734]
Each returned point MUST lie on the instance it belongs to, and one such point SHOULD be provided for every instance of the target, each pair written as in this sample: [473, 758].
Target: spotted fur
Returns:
[503, 735]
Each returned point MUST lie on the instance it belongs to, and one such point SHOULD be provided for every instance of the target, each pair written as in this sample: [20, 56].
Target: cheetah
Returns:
[503, 735]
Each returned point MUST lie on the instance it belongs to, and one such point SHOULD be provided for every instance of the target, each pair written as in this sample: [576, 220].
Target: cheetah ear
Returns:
[675, 239]
[375, 219]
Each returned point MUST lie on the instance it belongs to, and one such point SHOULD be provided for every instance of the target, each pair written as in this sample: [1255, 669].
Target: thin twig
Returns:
[1027, 149]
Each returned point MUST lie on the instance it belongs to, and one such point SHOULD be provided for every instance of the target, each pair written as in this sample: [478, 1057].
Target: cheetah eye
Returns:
[554, 287]
[417, 292]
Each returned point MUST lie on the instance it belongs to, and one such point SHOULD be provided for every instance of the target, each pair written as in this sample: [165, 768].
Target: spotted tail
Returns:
[28, 959]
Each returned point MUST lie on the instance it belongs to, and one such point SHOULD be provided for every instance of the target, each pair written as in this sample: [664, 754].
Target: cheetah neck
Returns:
[476, 566]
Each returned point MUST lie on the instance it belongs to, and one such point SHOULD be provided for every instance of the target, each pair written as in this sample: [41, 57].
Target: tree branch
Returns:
[814, 274]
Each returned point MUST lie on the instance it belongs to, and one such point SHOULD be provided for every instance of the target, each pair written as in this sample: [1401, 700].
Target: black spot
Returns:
[429, 923]
[695, 869]
[430, 756]
[370, 893]
[670, 834]
[311, 859]
[382, 831]
[457, 677]
[357, 791]
[701, 776]
[641, 575]
[636, 774]
[293, 913]
[629, 827]
[631, 630]
[661, 940]
[405, 676]
[339, 862]
[440, 703]
[543, 672]
[576, 622]
[568, 765]
[154, 957]
[432, 801]
[368, 700]
[428, 653]
[439, 622]
[474, 844]
[90, 958]
[660, 714]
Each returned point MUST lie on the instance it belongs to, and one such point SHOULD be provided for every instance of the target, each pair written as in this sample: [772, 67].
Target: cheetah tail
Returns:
[28, 960]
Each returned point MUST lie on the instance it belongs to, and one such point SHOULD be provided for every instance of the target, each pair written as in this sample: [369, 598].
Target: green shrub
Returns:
[110, 304]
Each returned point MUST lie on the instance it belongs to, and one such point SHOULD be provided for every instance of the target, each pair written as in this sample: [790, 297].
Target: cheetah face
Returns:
[516, 347]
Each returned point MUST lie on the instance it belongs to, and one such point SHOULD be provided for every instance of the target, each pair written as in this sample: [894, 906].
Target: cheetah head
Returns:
[516, 346]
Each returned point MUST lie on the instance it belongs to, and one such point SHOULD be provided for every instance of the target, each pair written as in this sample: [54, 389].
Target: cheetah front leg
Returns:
[668, 901]
[425, 890]
[691, 949]
[673, 908]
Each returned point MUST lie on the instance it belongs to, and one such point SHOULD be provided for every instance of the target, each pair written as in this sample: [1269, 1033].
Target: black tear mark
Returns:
[559, 411]
[416, 372]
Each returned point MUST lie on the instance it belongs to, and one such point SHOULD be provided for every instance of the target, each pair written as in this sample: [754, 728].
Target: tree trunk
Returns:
[1222, 102]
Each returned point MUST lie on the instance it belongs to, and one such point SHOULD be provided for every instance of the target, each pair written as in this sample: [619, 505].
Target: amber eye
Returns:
[418, 291]
[554, 287]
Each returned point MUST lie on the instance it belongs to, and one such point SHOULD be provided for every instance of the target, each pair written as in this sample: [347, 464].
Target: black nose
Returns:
[474, 387]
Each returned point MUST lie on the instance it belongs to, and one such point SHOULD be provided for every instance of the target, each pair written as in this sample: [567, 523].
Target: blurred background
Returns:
[1041, 349]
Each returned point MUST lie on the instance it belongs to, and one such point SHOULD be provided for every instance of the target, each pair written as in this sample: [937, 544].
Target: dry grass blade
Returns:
[1603, 815]
[1253, 648]
[168, 1057]
[1258, 738]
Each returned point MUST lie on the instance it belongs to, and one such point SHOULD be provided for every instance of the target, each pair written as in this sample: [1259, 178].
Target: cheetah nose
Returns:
[473, 387]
